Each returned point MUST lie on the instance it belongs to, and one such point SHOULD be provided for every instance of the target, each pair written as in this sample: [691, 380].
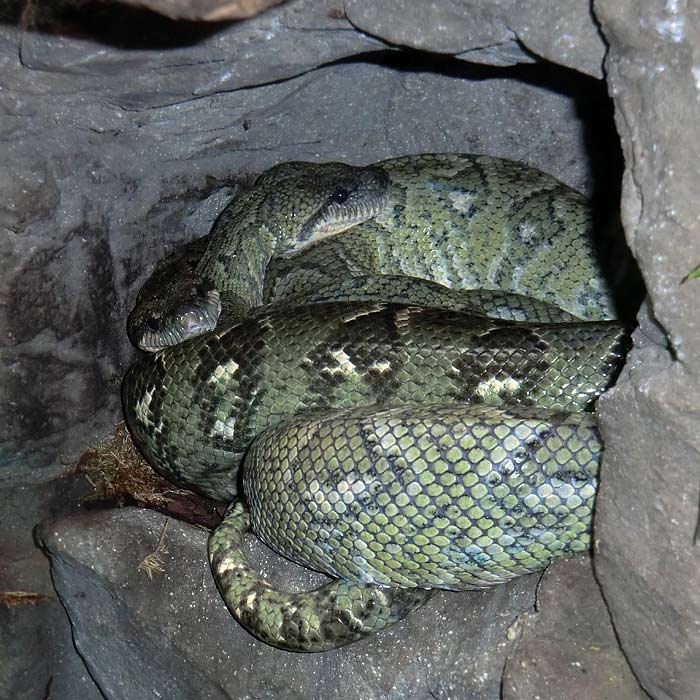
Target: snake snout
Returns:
[181, 321]
[196, 322]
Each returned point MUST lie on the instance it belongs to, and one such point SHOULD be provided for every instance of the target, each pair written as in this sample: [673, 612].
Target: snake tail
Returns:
[336, 614]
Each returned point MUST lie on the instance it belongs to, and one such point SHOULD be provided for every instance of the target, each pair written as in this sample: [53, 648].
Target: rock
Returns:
[173, 634]
[207, 10]
[38, 656]
[95, 51]
[476, 31]
[499, 32]
[104, 174]
[647, 556]
[112, 190]
[568, 649]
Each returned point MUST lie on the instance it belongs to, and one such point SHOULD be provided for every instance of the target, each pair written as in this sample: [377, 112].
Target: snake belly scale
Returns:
[398, 447]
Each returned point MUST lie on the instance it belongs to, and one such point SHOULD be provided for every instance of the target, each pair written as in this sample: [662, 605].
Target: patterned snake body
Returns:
[463, 221]
[390, 445]
[195, 408]
[470, 222]
[455, 497]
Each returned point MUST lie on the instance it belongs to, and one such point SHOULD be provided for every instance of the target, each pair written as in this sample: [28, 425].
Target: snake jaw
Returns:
[332, 221]
[354, 198]
[181, 322]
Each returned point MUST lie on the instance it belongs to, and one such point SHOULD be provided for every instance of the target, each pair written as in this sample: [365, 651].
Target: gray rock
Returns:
[208, 10]
[174, 635]
[174, 62]
[477, 31]
[568, 649]
[120, 144]
[647, 556]
[498, 32]
[37, 657]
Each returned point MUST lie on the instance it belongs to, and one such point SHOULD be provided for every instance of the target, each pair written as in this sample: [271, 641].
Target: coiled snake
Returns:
[400, 431]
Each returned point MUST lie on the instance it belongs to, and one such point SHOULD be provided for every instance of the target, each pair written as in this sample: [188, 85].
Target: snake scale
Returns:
[404, 406]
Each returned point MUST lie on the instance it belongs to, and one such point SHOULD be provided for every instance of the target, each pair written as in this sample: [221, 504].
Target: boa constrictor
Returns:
[384, 417]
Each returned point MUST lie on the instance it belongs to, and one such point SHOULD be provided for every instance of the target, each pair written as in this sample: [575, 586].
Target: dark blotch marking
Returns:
[368, 340]
[508, 351]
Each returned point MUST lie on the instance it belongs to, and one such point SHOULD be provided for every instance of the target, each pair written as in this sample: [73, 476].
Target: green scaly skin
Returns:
[467, 222]
[463, 221]
[514, 486]
[195, 408]
[339, 495]
[295, 281]
[336, 614]
[410, 291]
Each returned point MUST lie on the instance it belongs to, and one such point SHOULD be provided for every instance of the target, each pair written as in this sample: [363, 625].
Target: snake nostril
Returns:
[201, 292]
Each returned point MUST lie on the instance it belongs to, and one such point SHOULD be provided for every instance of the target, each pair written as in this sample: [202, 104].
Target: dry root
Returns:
[116, 470]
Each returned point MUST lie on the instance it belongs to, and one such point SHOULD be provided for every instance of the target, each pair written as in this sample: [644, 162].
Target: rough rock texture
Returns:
[109, 173]
[648, 559]
[207, 10]
[125, 134]
[568, 649]
[172, 635]
[37, 656]
[500, 32]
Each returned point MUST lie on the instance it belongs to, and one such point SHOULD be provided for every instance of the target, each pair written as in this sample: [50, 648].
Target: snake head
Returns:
[161, 320]
[218, 278]
[307, 202]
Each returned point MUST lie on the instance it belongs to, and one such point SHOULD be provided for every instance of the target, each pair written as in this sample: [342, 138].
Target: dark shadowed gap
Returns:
[111, 23]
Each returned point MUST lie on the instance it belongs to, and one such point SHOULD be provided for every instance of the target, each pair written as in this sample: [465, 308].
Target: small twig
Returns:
[119, 460]
[153, 563]
[12, 598]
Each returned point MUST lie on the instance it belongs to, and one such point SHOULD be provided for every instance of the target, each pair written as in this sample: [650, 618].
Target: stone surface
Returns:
[104, 173]
[37, 656]
[207, 10]
[498, 32]
[647, 556]
[124, 134]
[568, 649]
[97, 51]
[173, 634]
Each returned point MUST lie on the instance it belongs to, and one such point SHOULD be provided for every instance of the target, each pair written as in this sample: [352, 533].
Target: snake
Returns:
[462, 221]
[389, 372]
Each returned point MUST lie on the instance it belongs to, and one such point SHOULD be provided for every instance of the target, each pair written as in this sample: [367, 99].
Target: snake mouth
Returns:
[335, 219]
[182, 322]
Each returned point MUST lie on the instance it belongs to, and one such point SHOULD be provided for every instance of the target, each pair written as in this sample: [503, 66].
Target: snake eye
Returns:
[340, 196]
[153, 323]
